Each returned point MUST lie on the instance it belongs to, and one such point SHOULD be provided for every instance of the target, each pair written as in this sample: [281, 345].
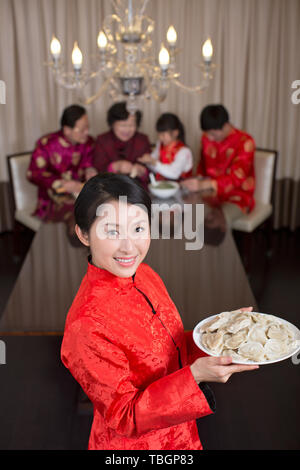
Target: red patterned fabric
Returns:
[56, 158]
[167, 154]
[109, 149]
[125, 344]
[231, 163]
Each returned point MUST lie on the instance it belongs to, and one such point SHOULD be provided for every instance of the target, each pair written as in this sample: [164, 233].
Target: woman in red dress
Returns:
[124, 340]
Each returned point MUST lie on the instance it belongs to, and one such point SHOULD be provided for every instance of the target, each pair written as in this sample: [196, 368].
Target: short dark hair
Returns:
[170, 122]
[103, 188]
[118, 112]
[213, 116]
[71, 114]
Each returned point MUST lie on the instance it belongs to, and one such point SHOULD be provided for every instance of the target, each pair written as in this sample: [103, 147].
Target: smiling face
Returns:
[119, 238]
[126, 129]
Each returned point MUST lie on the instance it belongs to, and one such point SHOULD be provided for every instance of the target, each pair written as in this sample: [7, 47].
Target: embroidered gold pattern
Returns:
[40, 162]
[239, 172]
[248, 146]
[76, 158]
[235, 198]
[56, 158]
[248, 184]
[229, 152]
[67, 175]
[44, 140]
[212, 151]
[63, 142]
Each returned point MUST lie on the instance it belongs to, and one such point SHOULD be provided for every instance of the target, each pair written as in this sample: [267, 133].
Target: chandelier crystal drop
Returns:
[126, 62]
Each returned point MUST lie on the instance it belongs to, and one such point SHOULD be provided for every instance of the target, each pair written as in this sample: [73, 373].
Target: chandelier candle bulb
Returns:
[76, 58]
[55, 48]
[102, 41]
[207, 51]
[164, 59]
[172, 36]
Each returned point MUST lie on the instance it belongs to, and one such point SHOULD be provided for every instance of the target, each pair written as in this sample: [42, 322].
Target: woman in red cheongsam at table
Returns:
[226, 168]
[60, 164]
[118, 150]
[171, 158]
[124, 340]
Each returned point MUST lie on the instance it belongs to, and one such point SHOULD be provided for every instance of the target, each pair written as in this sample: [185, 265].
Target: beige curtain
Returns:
[256, 51]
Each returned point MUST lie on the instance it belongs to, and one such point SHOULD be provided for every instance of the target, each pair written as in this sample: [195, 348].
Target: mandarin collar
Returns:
[96, 274]
[171, 145]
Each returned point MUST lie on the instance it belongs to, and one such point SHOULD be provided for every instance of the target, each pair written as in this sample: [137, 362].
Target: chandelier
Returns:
[126, 60]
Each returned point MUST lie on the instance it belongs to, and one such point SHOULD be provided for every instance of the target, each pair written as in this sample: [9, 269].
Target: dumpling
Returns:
[239, 323]
[234, 341]
[257, 333]
[221, 321]
[263, 320]
[293, 345]
[275, 348]
[233, 354]
[277, 331]
[280, 331]
[252, 350]
[209, 324]
[213, 341]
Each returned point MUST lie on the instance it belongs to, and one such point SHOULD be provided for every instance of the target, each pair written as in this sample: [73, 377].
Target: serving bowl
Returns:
[164, 189]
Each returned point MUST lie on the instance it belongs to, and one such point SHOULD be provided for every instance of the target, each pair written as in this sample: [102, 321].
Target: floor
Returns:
[59, 423]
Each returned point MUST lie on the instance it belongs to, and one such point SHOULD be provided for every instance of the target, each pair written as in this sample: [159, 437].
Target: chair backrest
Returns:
[264, 163]
[24, 192]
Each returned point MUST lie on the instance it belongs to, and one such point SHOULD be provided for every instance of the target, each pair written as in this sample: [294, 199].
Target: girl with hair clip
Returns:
[171, 158]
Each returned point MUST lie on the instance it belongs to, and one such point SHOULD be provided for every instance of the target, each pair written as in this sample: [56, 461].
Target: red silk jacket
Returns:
[231, 164]
[56, 158]
[125, 344]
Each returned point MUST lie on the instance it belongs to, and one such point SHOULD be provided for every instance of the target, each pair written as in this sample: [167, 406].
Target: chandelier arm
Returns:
[154, 93]
[195, 89]
[102, 88]
[144, 7]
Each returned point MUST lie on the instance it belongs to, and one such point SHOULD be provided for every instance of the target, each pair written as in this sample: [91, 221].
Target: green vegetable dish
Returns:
[165, 185]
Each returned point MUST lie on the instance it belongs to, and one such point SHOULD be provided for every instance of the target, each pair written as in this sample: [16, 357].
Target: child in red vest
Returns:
[171, 158]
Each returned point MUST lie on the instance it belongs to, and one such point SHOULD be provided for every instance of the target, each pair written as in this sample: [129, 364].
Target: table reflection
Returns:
[201, 282]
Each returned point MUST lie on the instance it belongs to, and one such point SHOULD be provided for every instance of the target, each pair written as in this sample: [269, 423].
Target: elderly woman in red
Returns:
[124, 340]
[118, 150]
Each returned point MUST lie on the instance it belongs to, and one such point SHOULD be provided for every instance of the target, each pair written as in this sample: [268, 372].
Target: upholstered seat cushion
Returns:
[249, 222]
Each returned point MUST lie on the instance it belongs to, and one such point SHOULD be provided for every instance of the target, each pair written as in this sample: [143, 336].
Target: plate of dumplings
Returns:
[248, 337]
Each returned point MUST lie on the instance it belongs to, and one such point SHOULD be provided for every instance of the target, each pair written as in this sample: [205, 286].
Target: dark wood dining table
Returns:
[201, 282]
[255, 410]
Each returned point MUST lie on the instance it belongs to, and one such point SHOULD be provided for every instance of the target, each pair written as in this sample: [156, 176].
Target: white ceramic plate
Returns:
[197, 339]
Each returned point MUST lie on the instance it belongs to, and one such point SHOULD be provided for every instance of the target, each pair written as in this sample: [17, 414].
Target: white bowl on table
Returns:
[164, 193]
